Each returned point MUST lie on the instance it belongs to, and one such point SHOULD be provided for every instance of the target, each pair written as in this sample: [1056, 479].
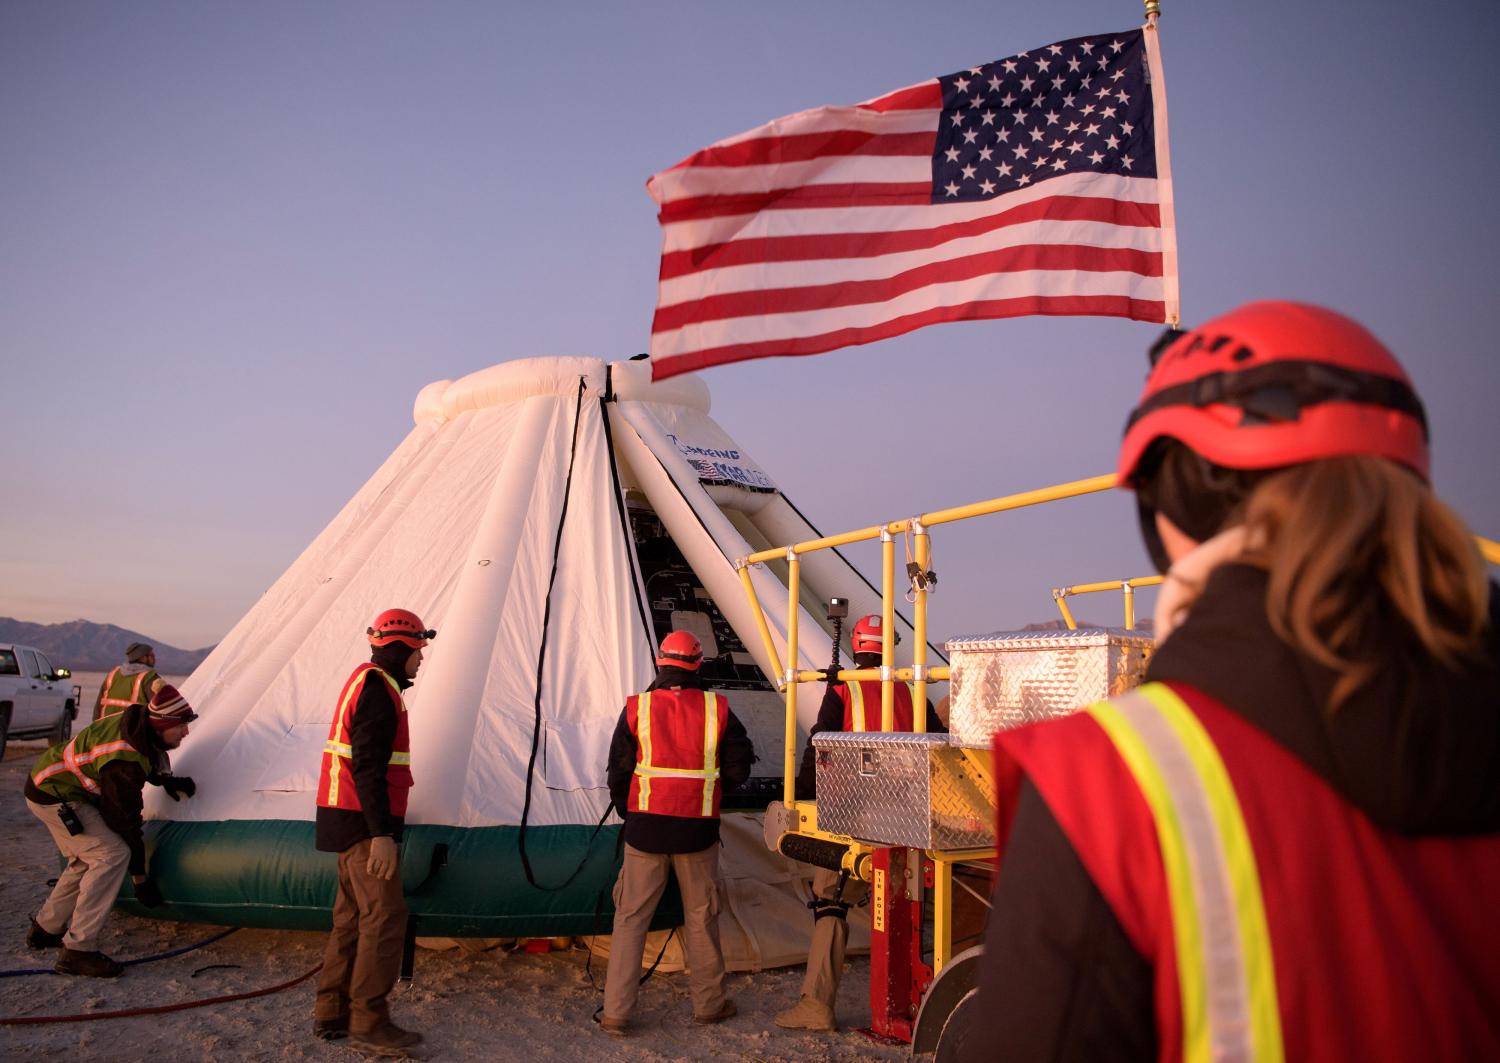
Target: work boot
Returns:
[809, 1014]
[614, 1027]
[37, 938]
[330, 1029]
[726, 1011]
[88, 964]
[388, 1040]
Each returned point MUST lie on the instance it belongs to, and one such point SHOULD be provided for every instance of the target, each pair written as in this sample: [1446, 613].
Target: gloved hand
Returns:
[179, 786]
[148, 893]
[831, 675]
[383, 859]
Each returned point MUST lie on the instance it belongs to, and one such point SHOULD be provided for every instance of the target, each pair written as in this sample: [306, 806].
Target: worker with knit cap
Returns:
[362, 791]
[87, 793]
[676, 750]
[131, 683]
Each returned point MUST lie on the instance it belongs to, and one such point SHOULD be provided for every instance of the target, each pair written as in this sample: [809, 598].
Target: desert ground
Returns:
[470, 1005]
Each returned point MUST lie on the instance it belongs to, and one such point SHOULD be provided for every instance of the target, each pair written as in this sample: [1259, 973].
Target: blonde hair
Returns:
[1351, 542]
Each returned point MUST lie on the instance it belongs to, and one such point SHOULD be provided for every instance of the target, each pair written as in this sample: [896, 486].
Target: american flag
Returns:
[1036, 184]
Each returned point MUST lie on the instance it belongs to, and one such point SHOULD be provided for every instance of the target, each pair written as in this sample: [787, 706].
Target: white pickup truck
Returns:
[36, 699]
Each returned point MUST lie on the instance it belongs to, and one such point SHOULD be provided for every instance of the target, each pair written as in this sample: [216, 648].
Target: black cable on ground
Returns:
[131, 963]
[162, 1009]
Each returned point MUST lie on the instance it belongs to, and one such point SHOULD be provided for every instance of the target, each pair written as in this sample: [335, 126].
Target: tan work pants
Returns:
[86, 890]
[363, 956]
[830, 936]
[637, 891]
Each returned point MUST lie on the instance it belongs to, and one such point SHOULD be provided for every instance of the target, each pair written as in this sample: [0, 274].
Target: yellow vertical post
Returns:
[1129, 604]
[789, 760]
[942, 914]
[887, 629]
[919, 609]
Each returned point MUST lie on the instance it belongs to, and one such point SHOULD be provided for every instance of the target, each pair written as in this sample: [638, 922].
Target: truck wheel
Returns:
[64, 729]
[4, 727]
[949, 1008]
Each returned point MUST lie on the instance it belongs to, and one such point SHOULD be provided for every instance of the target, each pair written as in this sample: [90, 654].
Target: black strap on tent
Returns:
[541, 659]
[625, 530]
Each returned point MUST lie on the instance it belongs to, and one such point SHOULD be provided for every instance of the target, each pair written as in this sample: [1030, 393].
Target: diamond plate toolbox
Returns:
[916, 790]
[1009, 678]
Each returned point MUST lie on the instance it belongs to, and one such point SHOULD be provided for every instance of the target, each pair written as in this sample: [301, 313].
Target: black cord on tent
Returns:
[541, 659]
[625, 529]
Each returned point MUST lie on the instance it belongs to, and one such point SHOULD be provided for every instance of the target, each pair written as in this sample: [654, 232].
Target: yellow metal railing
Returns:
[1061, 595]
[920, 674]
[789, 677]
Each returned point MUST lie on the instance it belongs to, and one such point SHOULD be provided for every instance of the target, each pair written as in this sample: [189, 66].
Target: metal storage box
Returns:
[915, 790]
[1008, 678]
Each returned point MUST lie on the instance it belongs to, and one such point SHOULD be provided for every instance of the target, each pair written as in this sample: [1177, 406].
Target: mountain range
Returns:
[84, 646]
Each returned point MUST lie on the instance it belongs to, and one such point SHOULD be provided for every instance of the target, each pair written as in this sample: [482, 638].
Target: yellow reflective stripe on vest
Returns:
[645, 770]
[335, 768]
[344, 749]
[1223, 946]
[710, 750]
[857, 703]
[643, 735]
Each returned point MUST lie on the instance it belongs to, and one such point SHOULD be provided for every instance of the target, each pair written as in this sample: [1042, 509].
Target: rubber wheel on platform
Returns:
[949, 1007]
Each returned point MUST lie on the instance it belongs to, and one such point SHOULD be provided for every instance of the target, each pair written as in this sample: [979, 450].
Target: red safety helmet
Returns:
[680, 649]
[867, 635]
[1274, 384]
[399, 625]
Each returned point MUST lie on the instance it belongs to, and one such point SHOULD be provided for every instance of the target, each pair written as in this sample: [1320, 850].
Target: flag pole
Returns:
[1172, 293]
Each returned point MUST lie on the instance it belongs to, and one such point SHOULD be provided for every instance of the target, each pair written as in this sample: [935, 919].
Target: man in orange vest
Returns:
[362, 791]
[675, 751]
[1286, 844]
[846, 707]
[131, 683]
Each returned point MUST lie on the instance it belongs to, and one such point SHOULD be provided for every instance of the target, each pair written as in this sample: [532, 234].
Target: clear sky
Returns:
[236, 239]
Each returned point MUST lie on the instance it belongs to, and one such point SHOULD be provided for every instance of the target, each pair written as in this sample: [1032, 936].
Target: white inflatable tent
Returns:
[551, 518]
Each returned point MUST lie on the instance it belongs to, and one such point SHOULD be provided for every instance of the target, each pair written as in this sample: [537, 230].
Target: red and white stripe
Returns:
[817, 231]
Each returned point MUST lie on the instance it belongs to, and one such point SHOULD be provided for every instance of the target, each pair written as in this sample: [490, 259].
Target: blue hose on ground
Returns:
[131, 963]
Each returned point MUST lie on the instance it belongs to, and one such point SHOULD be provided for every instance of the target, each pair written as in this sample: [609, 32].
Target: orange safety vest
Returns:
[861, 700]
[336, 778]
[119, 691]
[1281, 923]
[677, 736]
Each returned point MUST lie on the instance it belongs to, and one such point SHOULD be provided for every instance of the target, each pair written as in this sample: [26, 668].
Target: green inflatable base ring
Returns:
[268, 874]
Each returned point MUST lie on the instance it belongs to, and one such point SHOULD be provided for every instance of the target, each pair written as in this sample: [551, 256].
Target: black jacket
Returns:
[121, 784]
[831, 718]
[648, 831]
[372, 734]
[1418, 750]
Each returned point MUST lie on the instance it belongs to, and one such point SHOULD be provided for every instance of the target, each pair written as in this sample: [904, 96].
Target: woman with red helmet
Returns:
[1285, 844]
